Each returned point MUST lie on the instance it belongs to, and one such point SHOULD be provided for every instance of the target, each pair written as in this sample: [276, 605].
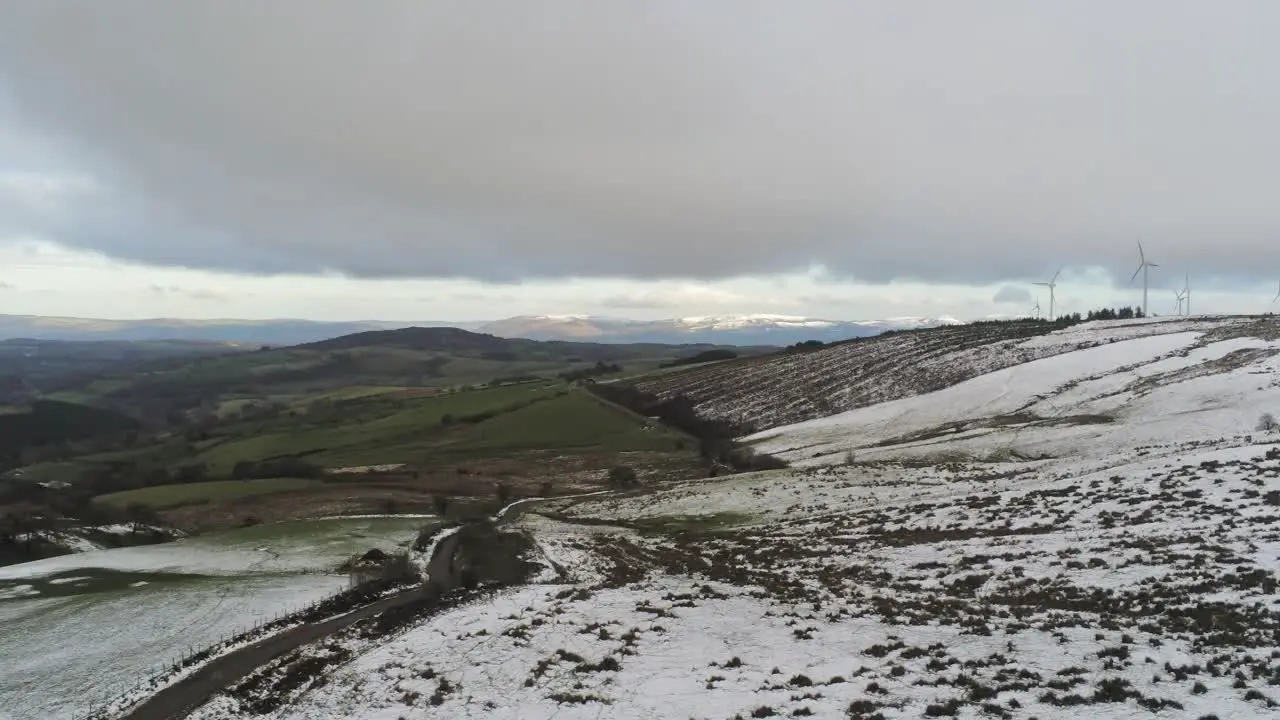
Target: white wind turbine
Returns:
[1143, 266]
[1053, 283]
[1037, 309]
[1180, 295]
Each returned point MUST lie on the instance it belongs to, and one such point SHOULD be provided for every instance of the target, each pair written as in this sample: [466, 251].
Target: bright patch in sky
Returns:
[41, 278]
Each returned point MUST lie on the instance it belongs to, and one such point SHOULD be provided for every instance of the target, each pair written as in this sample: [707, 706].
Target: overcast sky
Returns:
[442, 160]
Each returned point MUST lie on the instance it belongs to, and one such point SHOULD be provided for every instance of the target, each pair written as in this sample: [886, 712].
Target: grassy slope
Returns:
[370, 430]
[569, 421]
[382, 428]
[168, 496]
[386, 428]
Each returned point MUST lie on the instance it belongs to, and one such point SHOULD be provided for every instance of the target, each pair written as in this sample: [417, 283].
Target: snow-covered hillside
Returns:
[769, 391]
[1123, 389]
[1091, 534]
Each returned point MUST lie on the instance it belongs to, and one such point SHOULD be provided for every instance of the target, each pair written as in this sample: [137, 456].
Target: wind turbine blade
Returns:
[1141, 255]
[1153, 265]
[1055, 276]
[1135, 273]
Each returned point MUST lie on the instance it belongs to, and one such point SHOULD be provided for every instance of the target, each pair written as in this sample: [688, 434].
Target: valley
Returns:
[371, 423]
[997, 520]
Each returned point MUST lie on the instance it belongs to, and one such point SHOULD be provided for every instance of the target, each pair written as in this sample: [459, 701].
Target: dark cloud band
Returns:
[658, 139]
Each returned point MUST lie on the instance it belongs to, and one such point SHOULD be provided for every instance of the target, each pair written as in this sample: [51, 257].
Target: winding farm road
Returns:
[179, 699]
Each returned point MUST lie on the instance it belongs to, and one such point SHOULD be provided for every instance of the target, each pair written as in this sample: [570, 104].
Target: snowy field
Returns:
[1091, 534]
[86, 626]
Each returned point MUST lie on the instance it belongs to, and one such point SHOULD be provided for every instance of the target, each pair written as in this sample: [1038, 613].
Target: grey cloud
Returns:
[638, 302]
[193, 293]
[471, 297]
[502, 141]
[1012, 294]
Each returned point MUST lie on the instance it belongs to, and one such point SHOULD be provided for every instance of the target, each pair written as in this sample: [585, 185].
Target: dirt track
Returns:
[179, 699]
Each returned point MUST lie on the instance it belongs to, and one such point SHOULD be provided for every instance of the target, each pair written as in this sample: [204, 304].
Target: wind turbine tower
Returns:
[1053, 283]
[1186, 291]
[1143, 267]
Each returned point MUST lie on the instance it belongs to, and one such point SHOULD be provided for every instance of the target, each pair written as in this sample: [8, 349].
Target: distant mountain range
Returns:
[260, 332]
[718, 330]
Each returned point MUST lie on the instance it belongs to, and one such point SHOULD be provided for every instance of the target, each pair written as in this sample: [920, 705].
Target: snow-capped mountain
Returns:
[720, 329]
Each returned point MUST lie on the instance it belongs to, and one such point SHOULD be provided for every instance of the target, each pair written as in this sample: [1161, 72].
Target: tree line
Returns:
[600, 369]
[715, 437]
[704, 356]
[1123, 313]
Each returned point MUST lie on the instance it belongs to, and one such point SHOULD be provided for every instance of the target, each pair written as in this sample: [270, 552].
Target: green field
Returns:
[567, 422]
[377, 429]
[354, 392]
[168, 496]
[374, 429]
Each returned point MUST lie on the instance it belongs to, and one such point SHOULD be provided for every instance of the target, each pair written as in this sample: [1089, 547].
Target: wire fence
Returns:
[114, 701]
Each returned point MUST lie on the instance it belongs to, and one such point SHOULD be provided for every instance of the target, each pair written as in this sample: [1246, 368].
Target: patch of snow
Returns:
[358, 469]
[67, 580]
[18, 591]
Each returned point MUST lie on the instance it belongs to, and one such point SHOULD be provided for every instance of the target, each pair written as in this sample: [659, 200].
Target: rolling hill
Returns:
[29, 368]
[1096, 391]
[764, 392]
[478, 344]
[269, 332]
[404, 358]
